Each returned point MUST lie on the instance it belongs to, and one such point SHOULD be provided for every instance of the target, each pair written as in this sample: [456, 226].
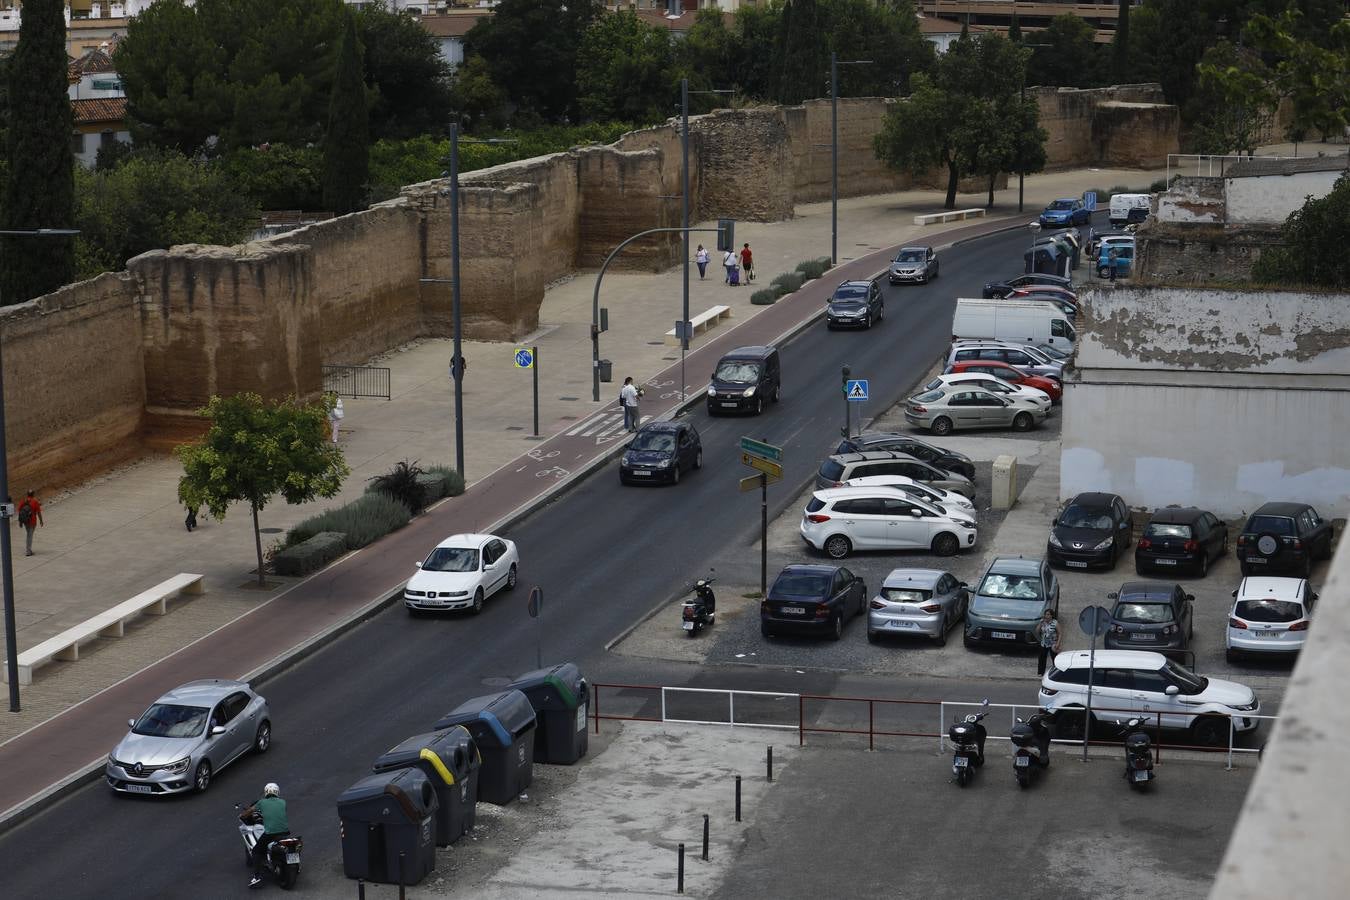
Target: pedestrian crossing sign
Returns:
[856, 390]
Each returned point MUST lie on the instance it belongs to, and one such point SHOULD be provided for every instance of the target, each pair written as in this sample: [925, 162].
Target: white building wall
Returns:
[1269, 199]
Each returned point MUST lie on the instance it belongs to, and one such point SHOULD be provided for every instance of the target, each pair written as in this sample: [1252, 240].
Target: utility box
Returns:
[1003, 484]
[450, 761]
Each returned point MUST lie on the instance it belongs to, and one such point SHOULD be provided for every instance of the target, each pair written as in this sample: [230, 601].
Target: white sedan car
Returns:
[1038, 398]
[462, 572]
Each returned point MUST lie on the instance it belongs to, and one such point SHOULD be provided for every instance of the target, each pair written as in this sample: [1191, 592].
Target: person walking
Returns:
[701, 257]
[335, 417]
[1111, 264]
[191, 520]
[748, 262]
[729, 263]
[629, 395]
[1047, 637]
[30, 517]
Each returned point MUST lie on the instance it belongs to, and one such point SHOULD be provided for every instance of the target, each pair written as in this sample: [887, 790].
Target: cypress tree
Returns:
[40, 183]
[346, 144]
[1015, 28]
[1120, 45]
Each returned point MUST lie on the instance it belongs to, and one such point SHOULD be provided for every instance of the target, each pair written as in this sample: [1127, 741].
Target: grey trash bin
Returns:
[450, 760]
[385, 817]
[606, 370]
[502, 726]
[560, 699]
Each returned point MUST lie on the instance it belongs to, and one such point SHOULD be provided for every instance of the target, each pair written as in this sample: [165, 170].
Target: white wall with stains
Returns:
[1269, 199]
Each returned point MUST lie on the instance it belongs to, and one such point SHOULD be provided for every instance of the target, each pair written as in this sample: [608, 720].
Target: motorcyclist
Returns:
[272, 809]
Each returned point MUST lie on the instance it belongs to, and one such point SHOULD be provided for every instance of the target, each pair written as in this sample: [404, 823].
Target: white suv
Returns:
[1270, 616]
[841, 520]
[1129, 682]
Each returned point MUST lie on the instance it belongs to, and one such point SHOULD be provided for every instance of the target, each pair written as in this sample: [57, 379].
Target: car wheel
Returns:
[966, 641]
[1139, 568]
[698, 459]
[1203, 568]
[201, 778]
[478, 601]
[777, 392]
[1224, 551]
[512, 578]
[1103, 272]
[946, 544]
[1022, 422]
[838, 546]
[263, 738]
[881, 312]
[872, 636]
[1230, 655]
[941, 640]
[837, 629]
[1210, 731]
[941, 426]
[675, 473]
[622, 480]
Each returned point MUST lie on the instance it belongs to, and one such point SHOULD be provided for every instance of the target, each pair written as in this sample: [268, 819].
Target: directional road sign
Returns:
[768, 467]
[524, 358]
[856, 390]
[751, 482]
[761, 449]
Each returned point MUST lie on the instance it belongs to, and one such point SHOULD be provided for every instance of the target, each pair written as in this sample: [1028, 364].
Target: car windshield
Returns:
[904, 595]
[1061, 204]
[911, 256]
[737, 371]
[1142, 613]
[169, 720]
[1167, 529]
[654, 440]
[1188, 681]
[1270, 524]
[849, 293]
[801, 584]
[1086, 517]
[1010, 587]
[451, 559]
[1269, 610]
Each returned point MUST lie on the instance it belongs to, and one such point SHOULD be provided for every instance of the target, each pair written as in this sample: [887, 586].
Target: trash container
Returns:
[1046, 258]
[386, 816]
[502, 725]
[450, 760]
[606, 370]
[560, 697]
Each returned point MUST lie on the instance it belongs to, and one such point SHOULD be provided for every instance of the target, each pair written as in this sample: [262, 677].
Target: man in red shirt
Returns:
[30, 517]
[747, 263]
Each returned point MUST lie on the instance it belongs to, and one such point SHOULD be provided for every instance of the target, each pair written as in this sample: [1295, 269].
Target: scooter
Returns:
[700, 610]
[967, 737]
[1032, 740]
[283, 856]
[1138, 754]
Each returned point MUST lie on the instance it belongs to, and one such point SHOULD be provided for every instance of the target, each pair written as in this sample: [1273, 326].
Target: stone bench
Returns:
[951, 215]
[110, 623]
[700, 323]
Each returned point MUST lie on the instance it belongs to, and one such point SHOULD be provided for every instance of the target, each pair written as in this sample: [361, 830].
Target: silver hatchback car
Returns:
[925, 602]
[188, 735]
[954, 406]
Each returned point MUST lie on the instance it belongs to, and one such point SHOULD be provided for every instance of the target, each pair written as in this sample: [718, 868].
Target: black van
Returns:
[745, 380]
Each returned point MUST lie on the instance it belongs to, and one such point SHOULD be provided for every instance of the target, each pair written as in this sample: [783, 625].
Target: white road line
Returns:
[605, 422]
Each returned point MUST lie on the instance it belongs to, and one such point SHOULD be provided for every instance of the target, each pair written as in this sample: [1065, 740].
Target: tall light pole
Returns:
[835, 63]
[6, 563]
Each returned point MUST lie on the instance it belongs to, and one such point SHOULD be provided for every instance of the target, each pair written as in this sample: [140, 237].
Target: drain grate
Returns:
[515, 427]
[655, 343]
[569, 418]
[569, 398]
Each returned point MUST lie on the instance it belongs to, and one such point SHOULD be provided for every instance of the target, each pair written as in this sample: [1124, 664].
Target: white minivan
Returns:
[842, 520]
[1128, 209]
[1021, 322]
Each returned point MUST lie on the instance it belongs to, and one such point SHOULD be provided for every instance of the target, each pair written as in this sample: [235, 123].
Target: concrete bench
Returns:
[951, 215]
[700, 323]
[110, 623]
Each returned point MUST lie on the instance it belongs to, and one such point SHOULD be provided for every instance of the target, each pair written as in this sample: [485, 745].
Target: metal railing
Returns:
[356, 381]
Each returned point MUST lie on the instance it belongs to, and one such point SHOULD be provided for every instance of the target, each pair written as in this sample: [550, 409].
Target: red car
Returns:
[1010, 374]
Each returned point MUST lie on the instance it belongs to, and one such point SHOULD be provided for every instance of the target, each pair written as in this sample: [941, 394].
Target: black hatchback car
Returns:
[941, 457]
[660, 451]
[1092, 530]
[855, 304]
[746, 380]
[814, 599]
[1283, 537]
[1181, 538]
[1151, 615]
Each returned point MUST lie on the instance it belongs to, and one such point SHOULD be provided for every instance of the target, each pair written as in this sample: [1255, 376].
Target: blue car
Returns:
[1064, 213]
[1120, 255]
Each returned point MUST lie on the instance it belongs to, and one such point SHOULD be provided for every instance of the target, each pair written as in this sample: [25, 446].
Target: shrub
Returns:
[454, 482]
[788, 282]
[362, 521]
[403, 484]
[1159, 185]
[826, 264]
[764, 297]
[811, 269]
[310, 555]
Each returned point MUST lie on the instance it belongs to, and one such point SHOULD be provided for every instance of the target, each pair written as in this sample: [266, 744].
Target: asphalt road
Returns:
[601, 553]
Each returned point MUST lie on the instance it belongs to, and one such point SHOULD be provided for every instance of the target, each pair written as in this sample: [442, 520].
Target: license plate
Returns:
[1256, 559]
[688, 626]
[1267, 634]
[1165, 562]
[1003, 635]
[1022, 761]
[792, 611]
[1141, 775]
[293, 859]
[960, 762]
[1141, 637]
[729, 405]
[641, 472]
[909, 626]
[140, 788]
[1075, 564]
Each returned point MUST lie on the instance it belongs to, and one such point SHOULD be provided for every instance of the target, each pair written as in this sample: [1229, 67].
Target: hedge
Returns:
[811, 269]
[310, 555]
[364, 520]
[764, 297]
[787, 282]
[454, 482]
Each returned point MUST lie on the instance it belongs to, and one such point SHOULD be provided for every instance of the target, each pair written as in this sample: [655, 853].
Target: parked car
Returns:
[855, 304]
[1181, 538]
[1046, 290]
[951, 407]
[842, 520]
[1151, 615]
[461, 572]
[1108, 237]
[1000, 288]
[1028, 359]
[841, 467]
[1093, 529]
[812, 599]
[1283, 537]
[745, 380]
[187, 737]
[1064, 213]
[993, 385]
[660, 451]
[1115, 256]
[1011, 374]
[1008, 601]
[1066, 307]
[947, 460]
[950, 501]
[1270, 617]
[1150, 684]
[914, 264]
[923, 602]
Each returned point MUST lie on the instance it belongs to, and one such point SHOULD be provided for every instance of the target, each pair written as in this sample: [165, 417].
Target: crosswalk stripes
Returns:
[608, 425]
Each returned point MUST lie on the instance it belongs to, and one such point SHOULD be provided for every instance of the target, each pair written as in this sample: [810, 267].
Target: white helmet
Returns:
[271, 790]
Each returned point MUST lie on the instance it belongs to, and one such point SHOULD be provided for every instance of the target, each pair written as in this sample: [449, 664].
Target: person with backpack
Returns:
[30, 517]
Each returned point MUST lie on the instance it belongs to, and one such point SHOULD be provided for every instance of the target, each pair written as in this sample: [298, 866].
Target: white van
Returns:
[1127, 209]
[1026, 322]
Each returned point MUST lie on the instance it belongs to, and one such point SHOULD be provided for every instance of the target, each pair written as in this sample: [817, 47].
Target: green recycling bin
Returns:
[388, 824]
[560, 699]
[450, 760]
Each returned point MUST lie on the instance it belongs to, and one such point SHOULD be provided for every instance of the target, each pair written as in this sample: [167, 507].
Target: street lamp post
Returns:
[6, 563]
[835, 63]
[1035, 230]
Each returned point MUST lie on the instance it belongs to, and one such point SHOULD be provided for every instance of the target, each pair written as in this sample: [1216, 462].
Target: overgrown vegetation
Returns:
[402, 483]
[1314, 241]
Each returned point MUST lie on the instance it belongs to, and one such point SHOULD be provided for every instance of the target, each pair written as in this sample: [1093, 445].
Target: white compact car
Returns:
[1270, 616]
[1140, 682]
[926, 492]
[841, 520]
[1035, 396]
[462, 572]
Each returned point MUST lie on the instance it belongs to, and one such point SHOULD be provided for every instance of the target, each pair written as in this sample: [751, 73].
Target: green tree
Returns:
[1070, 58]
[1236, 100]
[404, 67]
[801, 58]
[925, 130]
[1314, 240]
[1014, 28]
[885, 33]
[277, 176]
[476, 98]
[706, 57]
[1120, 43]
[625, 70]
[346, 143]
[40, 181]
[256, 449]
[753, 65]
[1313, 74]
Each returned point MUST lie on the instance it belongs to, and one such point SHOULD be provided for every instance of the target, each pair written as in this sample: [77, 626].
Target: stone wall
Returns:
[1126, 126]
[747, 161]
[1200, 254]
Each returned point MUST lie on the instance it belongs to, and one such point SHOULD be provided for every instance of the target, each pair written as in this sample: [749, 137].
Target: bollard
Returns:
[360, 889]
[738, 798]
[679, 873]
[770, 763]
[401, 854]
[705, 837]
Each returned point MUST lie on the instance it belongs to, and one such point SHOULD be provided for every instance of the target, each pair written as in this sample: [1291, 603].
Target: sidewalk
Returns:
[123, 533]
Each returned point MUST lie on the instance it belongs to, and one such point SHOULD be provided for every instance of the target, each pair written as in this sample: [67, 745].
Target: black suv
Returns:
[1283, 537]
[932, 454]
[994, 289]
[855, 304]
